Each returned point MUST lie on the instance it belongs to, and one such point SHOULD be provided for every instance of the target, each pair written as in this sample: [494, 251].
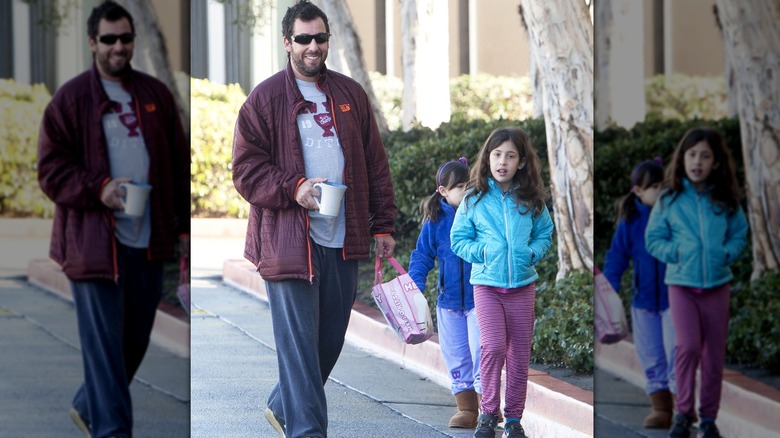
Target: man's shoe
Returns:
[76, 418]
[486, 426]
[709, 430]
[513, 429]
[681, 426]
[274, 421]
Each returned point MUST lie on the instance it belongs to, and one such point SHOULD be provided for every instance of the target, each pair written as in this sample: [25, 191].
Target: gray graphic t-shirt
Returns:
[128, 157]
[323, 157]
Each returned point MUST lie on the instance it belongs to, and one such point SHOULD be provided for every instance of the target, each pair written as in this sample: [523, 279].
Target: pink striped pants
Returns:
[701, 324]
[506, 324]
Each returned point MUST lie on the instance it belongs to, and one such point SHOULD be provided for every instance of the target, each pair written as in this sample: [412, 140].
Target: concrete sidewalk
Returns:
[749, 408]
[419, 395]
[40, 359]
[41, 369]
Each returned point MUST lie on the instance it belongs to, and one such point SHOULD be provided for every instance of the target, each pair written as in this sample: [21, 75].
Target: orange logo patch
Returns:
[150, 107]
[344, 107]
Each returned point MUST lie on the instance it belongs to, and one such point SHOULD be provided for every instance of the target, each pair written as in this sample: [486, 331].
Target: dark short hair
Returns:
[305, 11]
[110, 11]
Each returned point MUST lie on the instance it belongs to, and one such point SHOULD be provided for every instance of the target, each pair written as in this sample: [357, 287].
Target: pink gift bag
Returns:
[403, 305]
[609, 315]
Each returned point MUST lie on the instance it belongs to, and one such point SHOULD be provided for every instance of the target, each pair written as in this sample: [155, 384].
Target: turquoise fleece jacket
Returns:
[696, 240]
[502, 244]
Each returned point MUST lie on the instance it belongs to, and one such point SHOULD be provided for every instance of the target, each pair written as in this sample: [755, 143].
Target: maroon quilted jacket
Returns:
[73, 167]
[268, 166]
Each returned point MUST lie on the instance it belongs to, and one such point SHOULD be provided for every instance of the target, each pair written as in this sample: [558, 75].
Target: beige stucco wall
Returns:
[694, 41]
[174, 20]
[502, 47]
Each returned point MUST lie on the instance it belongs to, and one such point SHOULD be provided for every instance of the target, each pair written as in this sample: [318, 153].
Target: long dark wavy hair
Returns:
[528, 190]
[644, 175]
[725, 192]
[450, 174]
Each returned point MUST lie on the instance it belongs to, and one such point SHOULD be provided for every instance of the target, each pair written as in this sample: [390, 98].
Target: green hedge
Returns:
[21, 109]
[618, 150]
[214, 108]
[563, 333]
[754, 331]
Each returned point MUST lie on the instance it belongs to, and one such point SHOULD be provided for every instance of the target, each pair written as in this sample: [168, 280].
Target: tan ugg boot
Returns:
[468, 410]
[662, 409]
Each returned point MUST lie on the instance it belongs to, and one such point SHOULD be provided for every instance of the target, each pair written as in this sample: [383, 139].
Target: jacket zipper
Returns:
[701, 236]
[508, 242]
[309, 262]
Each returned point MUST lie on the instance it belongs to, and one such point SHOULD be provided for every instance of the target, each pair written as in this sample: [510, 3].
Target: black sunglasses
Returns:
[305, 38]
[110, 38]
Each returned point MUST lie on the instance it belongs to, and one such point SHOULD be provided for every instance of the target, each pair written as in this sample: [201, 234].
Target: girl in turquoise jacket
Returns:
[503, 228]
[698, 229]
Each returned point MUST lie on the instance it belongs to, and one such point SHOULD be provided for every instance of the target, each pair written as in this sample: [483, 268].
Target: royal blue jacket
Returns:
[697, 240]
[502, 243]
[455, 291]
[628, 244]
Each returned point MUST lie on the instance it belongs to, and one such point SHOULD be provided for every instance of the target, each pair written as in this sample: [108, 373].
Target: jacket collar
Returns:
[446, 208]
[688, 185]
[643, 209]
[494, 184]
[294, 95]
[99, 94]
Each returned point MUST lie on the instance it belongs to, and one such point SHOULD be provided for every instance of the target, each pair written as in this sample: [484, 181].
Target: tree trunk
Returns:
[409, 26]
[562, 34]
[731, 86]
[752, 39]
[537, 88]
[620, 94]
[346, 55]
[151, 53]
[426, 95]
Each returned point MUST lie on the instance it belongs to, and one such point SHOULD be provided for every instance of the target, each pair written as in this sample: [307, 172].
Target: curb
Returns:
[568, 407]
[169, 332]
[748, 407]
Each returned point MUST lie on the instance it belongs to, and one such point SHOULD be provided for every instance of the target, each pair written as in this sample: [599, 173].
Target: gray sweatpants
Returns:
[309, 322]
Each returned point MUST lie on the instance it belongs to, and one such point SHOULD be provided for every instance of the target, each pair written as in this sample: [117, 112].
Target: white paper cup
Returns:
[136, 194]
[331, 195]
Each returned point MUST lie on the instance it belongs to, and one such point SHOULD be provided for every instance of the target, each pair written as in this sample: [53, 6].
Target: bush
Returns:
[618, 150]
[681, 97]
[754, 332]
[563, 333]
[481, 97]
[214, 111]
[21, 110]
[754, 327]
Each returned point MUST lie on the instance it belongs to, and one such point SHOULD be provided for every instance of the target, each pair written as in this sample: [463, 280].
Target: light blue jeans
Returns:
[654, 343]
[459, 341]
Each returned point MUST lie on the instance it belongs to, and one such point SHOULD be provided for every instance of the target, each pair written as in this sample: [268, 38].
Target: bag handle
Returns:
[184, 271]
[378, 269]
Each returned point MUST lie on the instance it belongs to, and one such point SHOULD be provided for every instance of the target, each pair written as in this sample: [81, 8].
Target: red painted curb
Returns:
[560, 402]
[748, 407]
[171, 329]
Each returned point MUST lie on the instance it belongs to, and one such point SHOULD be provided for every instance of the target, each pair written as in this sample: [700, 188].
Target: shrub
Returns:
[214, 111]
[21, 110]
[618, 150]
[681, 97]
[481, 97]
[563, 333]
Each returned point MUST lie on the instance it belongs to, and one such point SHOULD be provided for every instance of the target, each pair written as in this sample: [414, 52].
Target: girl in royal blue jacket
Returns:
[455, 316]
[503, 228]
[698, 229]
[650, 315]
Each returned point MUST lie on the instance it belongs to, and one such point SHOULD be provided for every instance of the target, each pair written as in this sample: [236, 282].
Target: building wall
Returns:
[692, 43]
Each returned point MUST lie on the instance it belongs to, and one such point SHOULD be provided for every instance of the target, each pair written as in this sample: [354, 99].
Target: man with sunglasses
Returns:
[307, 124]
[108, 126]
